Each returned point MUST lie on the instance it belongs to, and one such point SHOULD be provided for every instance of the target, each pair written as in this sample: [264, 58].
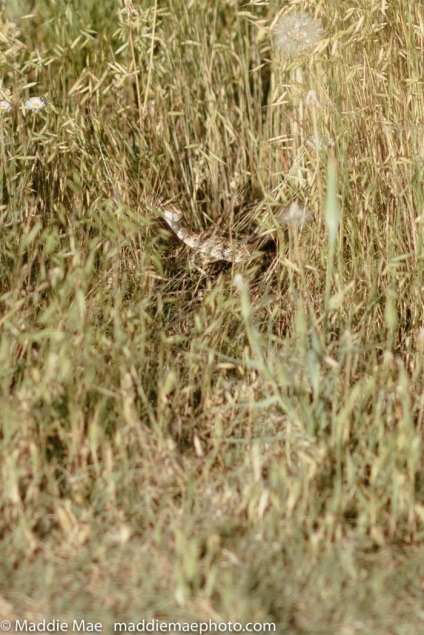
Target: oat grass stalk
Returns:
[128, 8]
[332, 220]
[152, 47]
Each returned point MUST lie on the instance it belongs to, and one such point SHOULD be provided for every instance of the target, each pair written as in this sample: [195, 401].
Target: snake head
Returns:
[173, 217]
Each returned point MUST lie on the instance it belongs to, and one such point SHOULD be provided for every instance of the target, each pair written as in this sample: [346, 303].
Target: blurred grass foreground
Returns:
[184, 440]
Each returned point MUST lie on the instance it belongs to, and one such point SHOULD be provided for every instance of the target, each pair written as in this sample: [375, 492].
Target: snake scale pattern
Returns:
[215, 248]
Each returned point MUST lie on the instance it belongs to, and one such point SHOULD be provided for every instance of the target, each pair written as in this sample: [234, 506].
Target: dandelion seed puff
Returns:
[311, 99]
[294, 214]
[297, 33]
[319, 144]
[35, 104]
[239, 282]
[5, 105]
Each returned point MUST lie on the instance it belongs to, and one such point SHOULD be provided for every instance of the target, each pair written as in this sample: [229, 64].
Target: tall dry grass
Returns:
[189, 441]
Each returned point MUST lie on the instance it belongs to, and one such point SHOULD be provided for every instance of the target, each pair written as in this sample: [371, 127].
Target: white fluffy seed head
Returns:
[294, 214]
[297, 33]
[311, 99]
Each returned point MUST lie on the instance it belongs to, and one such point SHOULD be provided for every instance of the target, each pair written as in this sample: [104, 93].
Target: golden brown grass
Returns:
[173, 445]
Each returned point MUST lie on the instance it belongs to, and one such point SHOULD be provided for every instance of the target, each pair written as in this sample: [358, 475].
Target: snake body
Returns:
[215, 248]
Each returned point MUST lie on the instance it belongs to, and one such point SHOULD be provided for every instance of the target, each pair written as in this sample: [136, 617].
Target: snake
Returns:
[218, 248]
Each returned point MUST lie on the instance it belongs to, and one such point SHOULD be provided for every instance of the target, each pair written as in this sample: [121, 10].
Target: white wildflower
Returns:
[5, 105]
[35, 104]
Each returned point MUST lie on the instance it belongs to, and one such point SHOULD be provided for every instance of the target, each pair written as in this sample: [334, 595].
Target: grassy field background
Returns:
[174, 445]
